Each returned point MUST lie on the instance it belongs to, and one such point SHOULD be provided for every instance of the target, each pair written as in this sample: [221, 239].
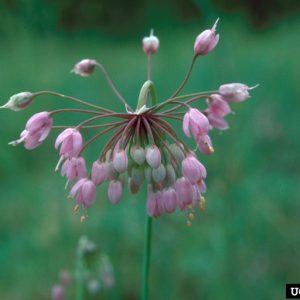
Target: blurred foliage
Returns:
[123, 17]
[246, 245]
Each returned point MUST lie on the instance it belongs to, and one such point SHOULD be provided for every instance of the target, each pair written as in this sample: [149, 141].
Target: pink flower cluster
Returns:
[143, 148]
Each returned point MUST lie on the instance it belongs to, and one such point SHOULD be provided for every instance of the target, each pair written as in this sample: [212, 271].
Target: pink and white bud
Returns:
[150, 44]
[120, 161]
[57, 292]
[19, 101]
[100, 172]
[74, 168]
[85, 67]
[138, 154]
[115, 190]
[159, 174]
[70, 143]
[169, 199]
[217, 121]
[218, 106]
[235, 92]
[196, 122]
[206, 41]
[185, 192]
[192, 169]
[153, 156]
[85, 190]
[36, 130]
[205, 145]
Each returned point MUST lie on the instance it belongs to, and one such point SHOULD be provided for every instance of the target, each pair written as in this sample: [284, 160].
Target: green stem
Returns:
[80, 276]
[148, 87]
[146, 267]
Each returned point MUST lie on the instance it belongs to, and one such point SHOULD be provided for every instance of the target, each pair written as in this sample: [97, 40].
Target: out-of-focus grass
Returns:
[246, 244]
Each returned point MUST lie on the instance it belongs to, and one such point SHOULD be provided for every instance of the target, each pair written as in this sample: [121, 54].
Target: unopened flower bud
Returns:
[138, 154]
[235, 92]
[159, 174]
[19, 101]
[150, 44]
[170, 174]
[133, 187]
[177, 153]
[148, 174]
[85, 67]
[120, 161]
[153, 156]
[206, 41]
[115, 190]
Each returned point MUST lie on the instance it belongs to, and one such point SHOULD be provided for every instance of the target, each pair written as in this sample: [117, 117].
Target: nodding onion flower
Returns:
[142, 146]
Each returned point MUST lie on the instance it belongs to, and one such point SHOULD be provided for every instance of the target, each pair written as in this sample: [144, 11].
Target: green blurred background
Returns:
[246, 245]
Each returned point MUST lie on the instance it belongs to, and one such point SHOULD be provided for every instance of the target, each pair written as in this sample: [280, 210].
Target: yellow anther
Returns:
[202, 203]
[188, 223]
[82, 219]
[191, 216]
[190, 206]
[76, 209]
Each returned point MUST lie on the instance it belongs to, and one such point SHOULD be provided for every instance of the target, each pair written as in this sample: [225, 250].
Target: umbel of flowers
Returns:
[142, 148]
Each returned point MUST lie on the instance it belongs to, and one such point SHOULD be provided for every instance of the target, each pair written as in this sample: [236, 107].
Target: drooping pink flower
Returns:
[85, 190]
[57, 292]
[100, 172]
[192, 169]
[85, 67]
[206, 41]
[70, 143]
[36, 130]
[169, 199]
[217, 121]
[218, 106]
[115, 190]
[153, 156]
[155, 206]
[235, 92]
[74, 168]
[204, 144]
[196, 122]
[184, 190]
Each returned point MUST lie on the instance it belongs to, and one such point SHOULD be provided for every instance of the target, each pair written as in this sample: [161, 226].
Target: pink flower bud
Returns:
[115, 190]
[204, 144]
[150, 44]
[154, 203]
[19, 101]
[217, 121]
[70, 143]
[235, 92]
[36, 130]
[120, 161]
[185, 192]
[138, 154]
[100, 172]
[85, 67]
[85, 190]
[192, 169]
[196, 122]
[159, 174]
[217, 105]
[169, 199]
[206, 41]
[74, 168]
[153, 156]
[57, 292]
